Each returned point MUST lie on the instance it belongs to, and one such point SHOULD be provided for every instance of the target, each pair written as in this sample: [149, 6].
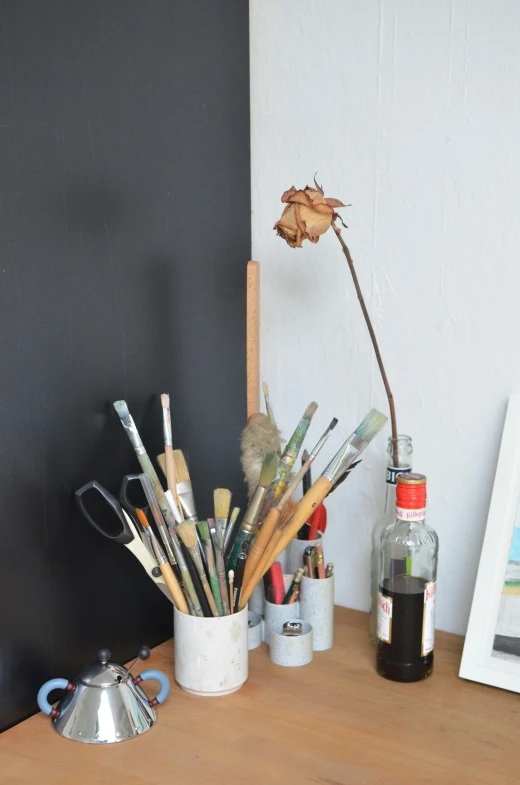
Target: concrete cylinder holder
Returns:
[295, 551]
[281, 613]
[257, 599]
[317, 607]
[255, 630]
[211, 654]
[288, 650]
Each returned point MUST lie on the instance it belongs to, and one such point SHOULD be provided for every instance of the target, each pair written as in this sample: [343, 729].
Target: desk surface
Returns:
[334, 722]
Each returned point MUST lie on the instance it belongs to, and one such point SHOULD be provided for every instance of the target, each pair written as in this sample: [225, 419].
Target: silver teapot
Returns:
[104, 704]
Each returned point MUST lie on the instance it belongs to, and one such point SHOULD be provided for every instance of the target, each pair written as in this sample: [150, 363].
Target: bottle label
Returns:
[410, 515]
[384, 618]
[428, 630]
[392, 472]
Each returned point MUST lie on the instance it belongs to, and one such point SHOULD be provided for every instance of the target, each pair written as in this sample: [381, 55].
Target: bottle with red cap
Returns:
[407, 587]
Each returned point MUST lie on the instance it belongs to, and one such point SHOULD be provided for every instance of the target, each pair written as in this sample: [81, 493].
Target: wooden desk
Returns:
[334, 722]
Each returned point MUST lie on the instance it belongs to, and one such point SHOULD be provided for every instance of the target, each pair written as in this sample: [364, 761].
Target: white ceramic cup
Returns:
[273, 612]
[211, 654]
[295, 551]
[255, 630]
[290, 651]
[317, 607]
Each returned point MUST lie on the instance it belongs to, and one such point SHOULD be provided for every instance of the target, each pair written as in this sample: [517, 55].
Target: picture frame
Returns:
[492, 647]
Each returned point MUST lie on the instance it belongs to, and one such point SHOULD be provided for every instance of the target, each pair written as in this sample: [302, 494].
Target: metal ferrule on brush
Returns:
[133, 434]
[159, 555]
[250, 519]
[187, 501]
[344, 458]
[167, 428]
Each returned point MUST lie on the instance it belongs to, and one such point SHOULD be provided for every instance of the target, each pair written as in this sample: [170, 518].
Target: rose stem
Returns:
[389, 394]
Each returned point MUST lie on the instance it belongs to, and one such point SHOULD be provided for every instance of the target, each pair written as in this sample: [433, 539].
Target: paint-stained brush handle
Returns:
[304, 510]
[262, 566]
[260, 543]
[175, 590]
[221, 571]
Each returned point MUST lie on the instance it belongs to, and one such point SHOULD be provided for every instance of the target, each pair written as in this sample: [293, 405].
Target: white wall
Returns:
[409, 110]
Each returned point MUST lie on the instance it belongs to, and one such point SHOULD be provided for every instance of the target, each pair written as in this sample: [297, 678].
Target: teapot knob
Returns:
[143, 652]
[104, 655]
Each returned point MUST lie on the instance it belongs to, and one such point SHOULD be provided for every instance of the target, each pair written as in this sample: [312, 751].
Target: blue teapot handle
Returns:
[163, 681]
[43, 694]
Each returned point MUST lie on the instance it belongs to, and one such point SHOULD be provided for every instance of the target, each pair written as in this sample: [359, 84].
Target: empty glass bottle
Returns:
[404, 464]
[407, 587]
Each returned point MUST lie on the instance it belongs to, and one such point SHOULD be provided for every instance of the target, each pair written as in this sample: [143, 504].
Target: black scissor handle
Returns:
[124, 499]
[125, 535]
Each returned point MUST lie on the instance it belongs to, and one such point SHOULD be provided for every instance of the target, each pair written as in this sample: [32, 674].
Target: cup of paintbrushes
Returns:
[211, 654]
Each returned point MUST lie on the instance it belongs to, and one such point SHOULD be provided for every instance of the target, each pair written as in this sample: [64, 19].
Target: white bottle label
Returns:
[428, 630]
[384, 618]
[410, 515]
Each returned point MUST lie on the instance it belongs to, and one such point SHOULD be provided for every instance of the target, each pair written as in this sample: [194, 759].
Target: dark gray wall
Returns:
[124, 229]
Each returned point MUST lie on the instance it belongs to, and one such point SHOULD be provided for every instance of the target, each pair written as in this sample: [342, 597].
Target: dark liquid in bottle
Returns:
[401, 660]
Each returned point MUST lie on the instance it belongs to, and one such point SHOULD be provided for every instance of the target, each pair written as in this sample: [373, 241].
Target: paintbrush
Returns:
[252, 514]
[169, 468]
[266, 559]
[188, 534]
[238, 581]
[288, 459]
[340, 464]
[185, 495]
[166, 571]
[220, 565]
[229, 527]
[221, 503]
[213, 577]
[231, 575]
[170, 535]
[271, 522]
[349, 452]
[142, 456]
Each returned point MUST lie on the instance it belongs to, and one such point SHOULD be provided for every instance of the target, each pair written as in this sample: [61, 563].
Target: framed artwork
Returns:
[492, 646]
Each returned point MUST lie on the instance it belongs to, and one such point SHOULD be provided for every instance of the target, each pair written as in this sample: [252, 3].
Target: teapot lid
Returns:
[104, 673]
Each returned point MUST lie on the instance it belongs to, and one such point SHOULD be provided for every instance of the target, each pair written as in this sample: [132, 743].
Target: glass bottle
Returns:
[404, 464]
[407, 587]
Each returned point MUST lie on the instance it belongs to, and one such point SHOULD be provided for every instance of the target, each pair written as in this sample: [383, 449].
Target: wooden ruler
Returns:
[253, 338]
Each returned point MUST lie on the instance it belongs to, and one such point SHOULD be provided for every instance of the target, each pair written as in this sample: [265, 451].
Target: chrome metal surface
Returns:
[95, 714]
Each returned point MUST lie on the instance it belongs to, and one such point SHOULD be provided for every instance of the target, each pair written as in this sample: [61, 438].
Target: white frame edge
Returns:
[477, 663]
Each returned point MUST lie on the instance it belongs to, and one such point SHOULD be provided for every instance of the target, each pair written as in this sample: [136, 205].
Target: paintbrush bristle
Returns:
[269, 469]
[222, 502]
[121, 408]
[234, 515]
[165, 401]
[371, 425]
[265, 388]
[161, 460]
[310, 411]
[287, 513]
[187, 533]
[203, 530]
[181, 467]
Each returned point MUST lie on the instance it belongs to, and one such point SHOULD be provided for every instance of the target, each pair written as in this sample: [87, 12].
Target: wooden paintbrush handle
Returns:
[222, 581]
[314, 497]
[213, 577]
[208, 593]
[175, 590]
[260, 542]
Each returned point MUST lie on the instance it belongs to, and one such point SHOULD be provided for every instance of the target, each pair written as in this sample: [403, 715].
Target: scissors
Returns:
[126, 533]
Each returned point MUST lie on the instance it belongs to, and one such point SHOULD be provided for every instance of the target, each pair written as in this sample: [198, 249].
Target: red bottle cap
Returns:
[411, 495]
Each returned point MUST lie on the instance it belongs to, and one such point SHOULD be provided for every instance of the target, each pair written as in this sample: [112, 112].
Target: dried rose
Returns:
[307, 216]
